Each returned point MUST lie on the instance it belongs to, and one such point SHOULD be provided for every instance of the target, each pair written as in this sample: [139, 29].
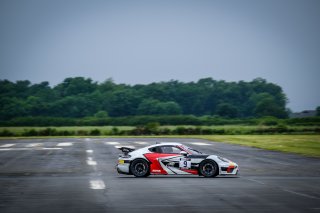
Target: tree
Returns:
[169, 108]
[75, 86]
[107, 85]
[148, 107]
[74, 106]
[101, 114]
[318, 110]
[227, 110]
[78, 97]
[155, 107]
[267, 105]
[124, 102]
[12, 107]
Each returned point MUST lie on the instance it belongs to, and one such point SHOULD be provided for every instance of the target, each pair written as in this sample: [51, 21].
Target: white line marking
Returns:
[44, 148]
[65, 144]
[200, 144]
[256, 181]
[301, 194]
[87, 139]
[17, 149]
[97, 184]
[141, 142]
[23, 149]
[34, 144]
[112, 143]
[285, 190]
[91, 162]
[7, 145]
[89, 151]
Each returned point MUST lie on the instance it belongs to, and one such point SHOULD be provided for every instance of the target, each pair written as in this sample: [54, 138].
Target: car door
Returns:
[163, 158]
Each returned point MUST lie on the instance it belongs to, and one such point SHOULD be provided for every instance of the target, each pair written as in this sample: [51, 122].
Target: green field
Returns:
[227, 129]
[308, 145]
[19, 130]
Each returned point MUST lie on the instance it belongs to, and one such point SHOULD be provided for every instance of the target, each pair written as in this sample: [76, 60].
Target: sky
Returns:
[139, 42]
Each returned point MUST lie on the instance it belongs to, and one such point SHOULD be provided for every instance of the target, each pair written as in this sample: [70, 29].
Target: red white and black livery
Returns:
[172, 159]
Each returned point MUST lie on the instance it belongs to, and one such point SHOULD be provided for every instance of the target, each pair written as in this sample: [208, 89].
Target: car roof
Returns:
[166, 143]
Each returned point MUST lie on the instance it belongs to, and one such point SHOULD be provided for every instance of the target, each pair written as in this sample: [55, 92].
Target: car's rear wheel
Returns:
[140, 168]
[208, 168]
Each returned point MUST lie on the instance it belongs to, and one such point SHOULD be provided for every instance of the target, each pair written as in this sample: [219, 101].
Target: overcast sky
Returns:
[146, 41]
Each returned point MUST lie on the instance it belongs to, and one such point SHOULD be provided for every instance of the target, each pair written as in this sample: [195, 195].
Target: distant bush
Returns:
[30, 132]
[6, 133]
[268, 121]
[308, 121]
[95, 132]
[154, 129]
[82, 133]
[160, 119]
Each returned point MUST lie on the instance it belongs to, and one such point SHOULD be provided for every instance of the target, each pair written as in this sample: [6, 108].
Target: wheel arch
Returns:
[210, 160]
[139, 158]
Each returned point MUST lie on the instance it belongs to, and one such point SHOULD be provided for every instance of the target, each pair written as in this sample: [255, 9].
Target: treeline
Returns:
[81, 97]
[162, 120]
[154, 129]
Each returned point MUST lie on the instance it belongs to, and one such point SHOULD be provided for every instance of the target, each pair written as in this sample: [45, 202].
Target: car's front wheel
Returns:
[208, 168]
[140, 168]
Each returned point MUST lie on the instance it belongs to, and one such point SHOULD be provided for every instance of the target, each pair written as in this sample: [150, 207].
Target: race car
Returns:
[172, 159]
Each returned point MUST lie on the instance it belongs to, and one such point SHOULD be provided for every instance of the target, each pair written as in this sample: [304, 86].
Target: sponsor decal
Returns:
[155, 159]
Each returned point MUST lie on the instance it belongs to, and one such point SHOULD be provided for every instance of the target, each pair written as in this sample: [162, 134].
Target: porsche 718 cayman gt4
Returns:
[172, 159]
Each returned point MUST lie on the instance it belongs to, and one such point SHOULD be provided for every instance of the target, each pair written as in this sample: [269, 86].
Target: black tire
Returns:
[208, 168]
[140, 168]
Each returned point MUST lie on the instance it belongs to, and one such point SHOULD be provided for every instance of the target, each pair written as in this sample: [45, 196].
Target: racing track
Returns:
[78, 175]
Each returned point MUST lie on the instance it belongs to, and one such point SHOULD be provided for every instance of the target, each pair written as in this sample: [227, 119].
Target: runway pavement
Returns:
[78, 175]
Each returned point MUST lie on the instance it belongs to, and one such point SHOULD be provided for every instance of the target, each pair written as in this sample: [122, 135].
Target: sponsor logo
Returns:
[156, 170]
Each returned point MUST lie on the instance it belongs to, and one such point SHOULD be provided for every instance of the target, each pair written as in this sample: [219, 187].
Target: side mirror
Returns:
[183, 153]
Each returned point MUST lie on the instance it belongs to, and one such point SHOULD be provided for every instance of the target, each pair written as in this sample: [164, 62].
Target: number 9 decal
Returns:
[185, 163]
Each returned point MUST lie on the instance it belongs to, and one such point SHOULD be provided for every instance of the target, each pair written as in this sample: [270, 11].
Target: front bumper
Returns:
[229, 169]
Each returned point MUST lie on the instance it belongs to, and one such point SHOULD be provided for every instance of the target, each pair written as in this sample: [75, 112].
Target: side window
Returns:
[170, 150]
[155, 149]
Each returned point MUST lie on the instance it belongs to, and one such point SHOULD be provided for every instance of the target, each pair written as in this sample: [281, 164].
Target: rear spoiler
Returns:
[126, 150]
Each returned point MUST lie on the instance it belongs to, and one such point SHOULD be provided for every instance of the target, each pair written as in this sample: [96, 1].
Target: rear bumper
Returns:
[123, 168]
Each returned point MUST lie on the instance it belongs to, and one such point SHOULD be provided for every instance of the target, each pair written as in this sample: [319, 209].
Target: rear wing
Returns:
[126, 150]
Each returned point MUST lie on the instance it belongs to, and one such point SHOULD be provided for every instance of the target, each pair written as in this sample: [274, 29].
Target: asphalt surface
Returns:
[78, 175]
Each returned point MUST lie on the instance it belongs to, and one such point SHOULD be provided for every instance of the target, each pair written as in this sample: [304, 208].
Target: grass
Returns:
[19, 130]
[230, 129]
[307, 145]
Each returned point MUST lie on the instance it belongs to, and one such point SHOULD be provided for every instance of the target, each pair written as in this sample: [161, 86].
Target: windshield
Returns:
[191, 150]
